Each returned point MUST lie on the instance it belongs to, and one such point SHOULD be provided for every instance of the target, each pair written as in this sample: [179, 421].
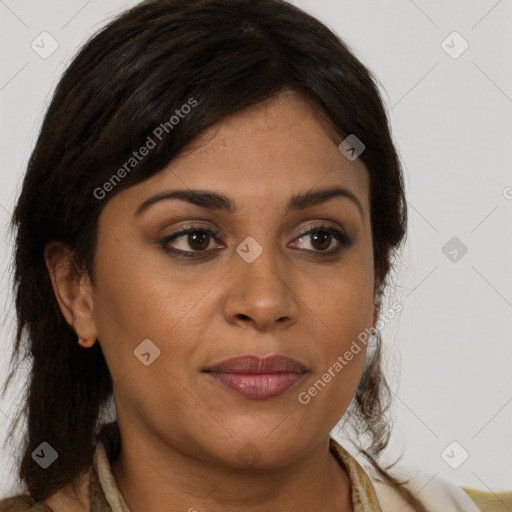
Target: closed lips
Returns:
[258, 378]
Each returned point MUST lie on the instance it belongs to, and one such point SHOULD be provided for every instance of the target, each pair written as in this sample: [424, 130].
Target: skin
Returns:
[182, 432]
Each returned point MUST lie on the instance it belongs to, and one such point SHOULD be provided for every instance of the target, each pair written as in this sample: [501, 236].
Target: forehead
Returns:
[263, 155]
[283, 139]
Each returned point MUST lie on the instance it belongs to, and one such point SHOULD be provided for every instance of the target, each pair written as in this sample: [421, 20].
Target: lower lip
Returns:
[258, 386]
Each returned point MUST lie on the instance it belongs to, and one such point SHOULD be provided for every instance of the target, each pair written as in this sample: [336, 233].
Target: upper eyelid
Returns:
[187, 228]
[308, 229]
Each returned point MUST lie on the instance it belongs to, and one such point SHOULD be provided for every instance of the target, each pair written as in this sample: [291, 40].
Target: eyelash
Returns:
[344, 240]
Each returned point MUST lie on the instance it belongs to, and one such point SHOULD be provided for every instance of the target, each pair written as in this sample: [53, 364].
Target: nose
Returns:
[261, 294]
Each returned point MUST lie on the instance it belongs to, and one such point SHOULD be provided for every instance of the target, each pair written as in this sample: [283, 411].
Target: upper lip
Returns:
[258, 365]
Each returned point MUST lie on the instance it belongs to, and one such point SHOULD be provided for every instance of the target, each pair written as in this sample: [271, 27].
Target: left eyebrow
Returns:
[319, 196]
[215, 201]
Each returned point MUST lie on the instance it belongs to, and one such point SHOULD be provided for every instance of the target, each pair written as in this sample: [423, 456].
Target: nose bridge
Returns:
[259, 289]
[261, 268]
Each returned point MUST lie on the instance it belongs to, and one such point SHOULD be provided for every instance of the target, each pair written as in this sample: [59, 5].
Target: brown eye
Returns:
[188, 242]
[321, 239]
[198, 240]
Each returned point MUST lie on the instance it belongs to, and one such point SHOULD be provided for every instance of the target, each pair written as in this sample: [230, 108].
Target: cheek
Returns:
[139, 296]
[341, 296]
[341, 355]
[136, 302]
[341, 309]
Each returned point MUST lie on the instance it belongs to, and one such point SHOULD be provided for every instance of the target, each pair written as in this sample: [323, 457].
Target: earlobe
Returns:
[72, 291]
[85, 342]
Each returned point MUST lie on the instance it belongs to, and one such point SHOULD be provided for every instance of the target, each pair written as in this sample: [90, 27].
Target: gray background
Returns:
[449, 352]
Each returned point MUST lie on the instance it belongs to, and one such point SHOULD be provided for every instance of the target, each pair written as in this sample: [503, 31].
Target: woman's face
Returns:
[246, 282]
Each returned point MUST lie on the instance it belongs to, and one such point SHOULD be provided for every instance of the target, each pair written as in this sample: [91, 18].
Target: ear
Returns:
[73, 291]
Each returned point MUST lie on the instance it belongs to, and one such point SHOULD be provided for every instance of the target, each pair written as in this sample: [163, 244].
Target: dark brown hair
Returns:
[128, 80]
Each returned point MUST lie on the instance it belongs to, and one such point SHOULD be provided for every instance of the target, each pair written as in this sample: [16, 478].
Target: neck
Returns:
[165, 479]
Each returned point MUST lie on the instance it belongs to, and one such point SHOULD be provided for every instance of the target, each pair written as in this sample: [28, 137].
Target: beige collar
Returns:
[107, 481]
